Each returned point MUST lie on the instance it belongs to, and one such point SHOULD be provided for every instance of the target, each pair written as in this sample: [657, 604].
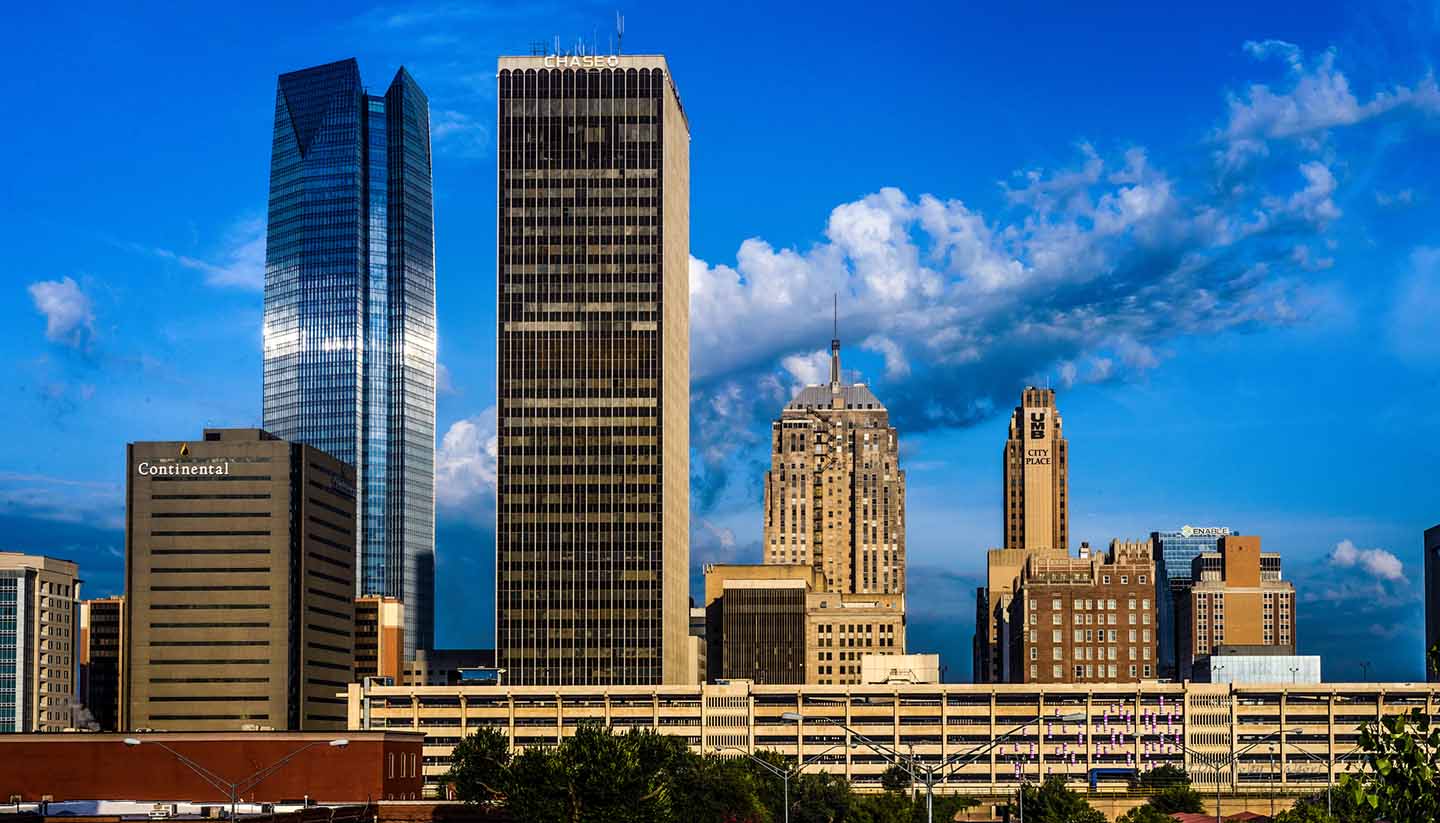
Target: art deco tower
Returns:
[835, 493]
[592, 542]
[350, 312]
[1037, 505]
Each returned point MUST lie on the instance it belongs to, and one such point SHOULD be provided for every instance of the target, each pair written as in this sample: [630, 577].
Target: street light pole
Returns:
[785, 774]
[928, 772]
[234, 789]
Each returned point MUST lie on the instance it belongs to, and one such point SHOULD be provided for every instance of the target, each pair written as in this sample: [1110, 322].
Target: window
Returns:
[1132, 604]
[1132, 636]
[1132, 657]
[1054, 618]
[1079, 635]
[1142, 579]
[1058, 672]
[1034, 653]
[1132, 668]
[1057, 653]
[1105, 579]
[1110, 604]
[1147, 670]
[1055, 604]
[1145, 604]
[1147, 635]
[1124, 579]
[1089, 635]
[1055, 636]
[1032, 671]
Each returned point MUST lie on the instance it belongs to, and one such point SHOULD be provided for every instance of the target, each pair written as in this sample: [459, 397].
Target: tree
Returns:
[819, 797]
[1304, 813]
[895, 778]
[1401, 775]
[478, 767]
[1052, 802]
[1145, 813]
[1169, 789]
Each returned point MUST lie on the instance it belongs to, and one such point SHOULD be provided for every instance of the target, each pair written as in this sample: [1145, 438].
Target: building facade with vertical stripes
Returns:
[592, 532]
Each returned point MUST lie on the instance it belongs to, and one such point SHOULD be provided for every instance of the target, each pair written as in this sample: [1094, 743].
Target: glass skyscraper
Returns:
[350, 312]
[1174, 551]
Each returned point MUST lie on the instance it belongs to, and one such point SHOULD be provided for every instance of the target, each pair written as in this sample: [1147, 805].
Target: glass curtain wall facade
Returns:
[1174, 551]
[592, 550]
[350, 312]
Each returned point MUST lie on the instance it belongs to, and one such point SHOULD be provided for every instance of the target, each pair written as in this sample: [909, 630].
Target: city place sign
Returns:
[581, 61]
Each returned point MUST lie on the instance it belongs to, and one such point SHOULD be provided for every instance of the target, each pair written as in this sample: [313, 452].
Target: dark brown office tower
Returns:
[240, 584]
[592, 541]
[1037, 475]
[100, 652]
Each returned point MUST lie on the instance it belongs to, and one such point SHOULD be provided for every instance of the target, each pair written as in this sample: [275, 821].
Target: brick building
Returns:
[1238, 598]
[1086, 619]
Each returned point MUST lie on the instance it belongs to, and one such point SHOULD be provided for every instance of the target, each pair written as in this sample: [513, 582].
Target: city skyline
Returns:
[1264, 391]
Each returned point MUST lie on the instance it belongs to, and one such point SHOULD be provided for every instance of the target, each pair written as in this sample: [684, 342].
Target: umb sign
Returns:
[1037, 425]
[1196, 531]
[581, 61]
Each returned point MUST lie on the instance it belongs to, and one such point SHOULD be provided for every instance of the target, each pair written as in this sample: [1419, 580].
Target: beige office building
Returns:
[1037, 475]
[775, 623]
[39, 642]
[240, 584]
[1036, 512]
[379, 638]
[1239, 598]
[592, 539]
[835, 492]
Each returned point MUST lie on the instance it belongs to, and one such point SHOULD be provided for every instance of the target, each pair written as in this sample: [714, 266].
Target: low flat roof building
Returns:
[371, 765]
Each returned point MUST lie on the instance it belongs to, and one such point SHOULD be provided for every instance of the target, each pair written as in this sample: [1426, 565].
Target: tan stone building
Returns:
[1037, 475]
[1086, 619]
[592, 540]
[1238, 598]
[835, 492]
[379, 638]
[101, 653]
[1036, 512]
[240, 584]
[39, 644]
[772, 623]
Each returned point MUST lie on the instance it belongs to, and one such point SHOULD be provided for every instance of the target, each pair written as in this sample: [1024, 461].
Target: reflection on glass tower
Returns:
[350, 311]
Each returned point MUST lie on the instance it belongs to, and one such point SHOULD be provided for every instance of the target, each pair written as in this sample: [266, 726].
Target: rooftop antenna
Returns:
[835, 345]
[619, 33]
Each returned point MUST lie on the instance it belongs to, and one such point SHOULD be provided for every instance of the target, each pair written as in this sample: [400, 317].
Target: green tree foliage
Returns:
[1145, 814]
[478, 767]
[895, 778]
[1052, 802]
[598, 776]
[1169, 789]
[1401, 776]
[1305, 813]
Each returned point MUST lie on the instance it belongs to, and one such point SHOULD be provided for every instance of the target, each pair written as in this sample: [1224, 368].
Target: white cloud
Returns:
[465, 468]
[1415, 306]
[1316, 98]
[239, 261]
[443, 383]
[1377, 563]
[459, 133]
[69, 314]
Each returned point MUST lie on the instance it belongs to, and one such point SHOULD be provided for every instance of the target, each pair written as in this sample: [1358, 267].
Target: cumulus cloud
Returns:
[465, 468]
[1378, 563]
[1087, 273]
[69, 314]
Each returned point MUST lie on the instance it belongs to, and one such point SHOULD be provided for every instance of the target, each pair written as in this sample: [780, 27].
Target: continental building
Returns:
[1432, 596]
[1238, 598]
[349, 334]
[1037, 475]
[101, 651]
[239, 581]
[1036, 520]
[776, 623]
[592, 533]
[1125, 726]
[39, 642]
[379, 638]
[1174, 552]
[835, 493]
[1085, 620]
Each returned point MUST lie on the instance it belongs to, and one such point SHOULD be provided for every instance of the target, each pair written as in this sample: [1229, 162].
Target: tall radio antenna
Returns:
[619, 33]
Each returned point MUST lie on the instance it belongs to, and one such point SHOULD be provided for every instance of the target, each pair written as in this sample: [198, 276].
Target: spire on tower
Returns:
[835, 346]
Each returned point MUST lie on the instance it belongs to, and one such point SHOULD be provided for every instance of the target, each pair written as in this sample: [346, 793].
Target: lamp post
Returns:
[1217, 765]
[919, 770]
[234, 790]
[783, 774]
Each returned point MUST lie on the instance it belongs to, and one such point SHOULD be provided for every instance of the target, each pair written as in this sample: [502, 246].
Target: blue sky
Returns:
[1213, 229]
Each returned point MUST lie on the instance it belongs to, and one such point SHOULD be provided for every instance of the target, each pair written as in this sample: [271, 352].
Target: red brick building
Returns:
[92, 766]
